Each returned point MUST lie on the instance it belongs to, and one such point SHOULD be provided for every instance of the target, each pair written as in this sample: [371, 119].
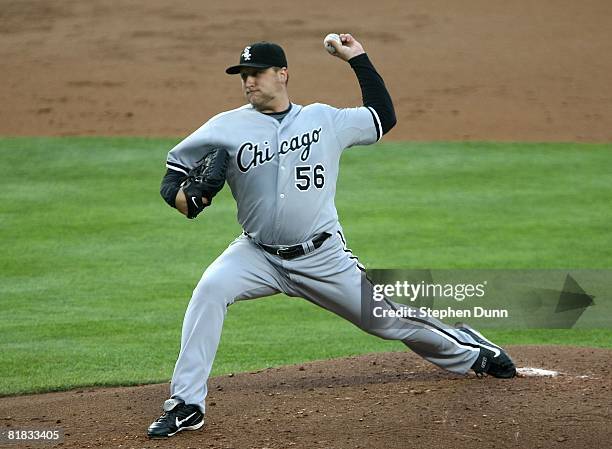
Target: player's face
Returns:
[263, 88]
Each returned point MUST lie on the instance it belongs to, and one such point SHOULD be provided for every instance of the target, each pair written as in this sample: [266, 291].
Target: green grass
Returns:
[96, 271]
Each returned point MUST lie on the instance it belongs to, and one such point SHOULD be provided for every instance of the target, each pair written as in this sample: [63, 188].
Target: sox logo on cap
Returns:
[246, 54]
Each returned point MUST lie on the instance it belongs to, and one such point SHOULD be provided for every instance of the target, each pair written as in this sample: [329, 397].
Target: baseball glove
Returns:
[205, 180]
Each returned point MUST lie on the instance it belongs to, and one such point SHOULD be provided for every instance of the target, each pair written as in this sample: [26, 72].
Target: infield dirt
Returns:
[457, 70]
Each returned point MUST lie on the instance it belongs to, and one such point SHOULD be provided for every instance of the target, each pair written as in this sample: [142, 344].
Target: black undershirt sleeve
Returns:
[373, 91]
[170, 185]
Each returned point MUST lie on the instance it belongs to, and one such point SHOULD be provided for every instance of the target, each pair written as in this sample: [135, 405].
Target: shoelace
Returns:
[164, 416]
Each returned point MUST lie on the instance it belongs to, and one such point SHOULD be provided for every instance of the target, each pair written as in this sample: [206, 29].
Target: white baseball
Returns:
[329, 47]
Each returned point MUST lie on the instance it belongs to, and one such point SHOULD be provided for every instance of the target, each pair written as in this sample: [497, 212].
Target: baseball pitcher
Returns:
[281, 162]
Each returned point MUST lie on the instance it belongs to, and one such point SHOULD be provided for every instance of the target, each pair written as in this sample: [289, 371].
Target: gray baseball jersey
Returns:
[283, 177]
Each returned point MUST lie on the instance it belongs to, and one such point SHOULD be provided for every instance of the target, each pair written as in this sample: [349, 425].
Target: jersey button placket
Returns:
[281, 175]
[280, 181]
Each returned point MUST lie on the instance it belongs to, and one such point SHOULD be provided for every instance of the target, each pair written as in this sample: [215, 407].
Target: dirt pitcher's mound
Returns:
[392, 400]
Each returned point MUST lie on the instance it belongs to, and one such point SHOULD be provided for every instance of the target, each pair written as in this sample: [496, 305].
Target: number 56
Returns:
[305, 175]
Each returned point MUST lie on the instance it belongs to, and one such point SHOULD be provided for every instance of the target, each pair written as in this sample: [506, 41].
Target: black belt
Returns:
[291, 252]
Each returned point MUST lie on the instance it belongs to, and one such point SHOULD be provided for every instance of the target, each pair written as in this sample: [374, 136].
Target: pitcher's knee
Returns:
[212, 289]
[385, 334]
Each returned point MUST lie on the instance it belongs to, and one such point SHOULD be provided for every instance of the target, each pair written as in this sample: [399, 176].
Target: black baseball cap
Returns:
[260, 55]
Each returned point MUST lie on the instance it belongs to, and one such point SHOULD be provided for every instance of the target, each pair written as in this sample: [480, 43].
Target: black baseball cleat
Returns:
[492, 359]
[177, 416]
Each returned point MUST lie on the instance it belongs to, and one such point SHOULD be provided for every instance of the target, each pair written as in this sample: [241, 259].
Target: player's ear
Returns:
[283, 75]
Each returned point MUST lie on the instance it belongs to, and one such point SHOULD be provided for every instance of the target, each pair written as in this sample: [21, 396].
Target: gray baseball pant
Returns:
[330, 277]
